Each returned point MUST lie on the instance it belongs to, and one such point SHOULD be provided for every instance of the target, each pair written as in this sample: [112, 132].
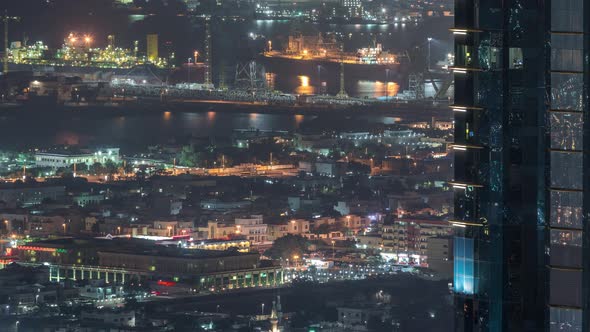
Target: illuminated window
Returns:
[515, 60]
[566, 209]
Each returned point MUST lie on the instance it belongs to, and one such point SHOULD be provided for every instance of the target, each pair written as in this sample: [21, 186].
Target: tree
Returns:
[189, 156]
[110, 167]
[288, 246]
[97, 168]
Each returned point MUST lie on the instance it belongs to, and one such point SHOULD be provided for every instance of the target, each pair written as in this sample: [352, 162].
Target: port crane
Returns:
[6, 19]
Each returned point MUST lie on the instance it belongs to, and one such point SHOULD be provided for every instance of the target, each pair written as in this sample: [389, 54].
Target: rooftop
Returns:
[132, 246]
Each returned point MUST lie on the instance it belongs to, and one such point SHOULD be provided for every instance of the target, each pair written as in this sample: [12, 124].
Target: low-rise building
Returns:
[27, 194]
[411, 235]
[295, 227]
[112, 317]
[69, 157]
[97, 289]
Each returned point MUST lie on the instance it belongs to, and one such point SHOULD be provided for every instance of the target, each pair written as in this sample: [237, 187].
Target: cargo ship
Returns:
[319, 49]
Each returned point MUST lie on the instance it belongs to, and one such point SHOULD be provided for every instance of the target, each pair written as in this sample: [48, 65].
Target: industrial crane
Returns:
[6, 18]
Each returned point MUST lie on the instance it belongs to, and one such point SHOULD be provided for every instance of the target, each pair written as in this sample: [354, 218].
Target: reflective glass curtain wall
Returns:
[521, 124]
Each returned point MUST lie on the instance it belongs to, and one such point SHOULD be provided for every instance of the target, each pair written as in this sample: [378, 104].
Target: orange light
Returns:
[304, 81]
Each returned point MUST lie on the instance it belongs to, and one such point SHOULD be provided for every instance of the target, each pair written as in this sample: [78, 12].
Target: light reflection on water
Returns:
[376, 89]
[304, 87]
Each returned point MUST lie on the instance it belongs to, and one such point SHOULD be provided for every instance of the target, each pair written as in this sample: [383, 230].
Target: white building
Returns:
[111, 317]
[253, 228]
[99, 290]
[67, 158]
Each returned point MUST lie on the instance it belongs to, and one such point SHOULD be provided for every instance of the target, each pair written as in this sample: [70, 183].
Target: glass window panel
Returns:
[566, 248]
[566, 209]
[466, 203]
[566, 237]
[566, 170]
[464, 277]
[565, 288]
[566, 91]
[565, 320]
[565, 256]
[516, 59]
[464, 55]
[566, 131]
[566, 52]
[567, 15]
[489, 57]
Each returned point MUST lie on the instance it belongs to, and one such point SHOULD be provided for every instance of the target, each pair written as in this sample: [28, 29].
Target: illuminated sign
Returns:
[42, 249]
[166, 283]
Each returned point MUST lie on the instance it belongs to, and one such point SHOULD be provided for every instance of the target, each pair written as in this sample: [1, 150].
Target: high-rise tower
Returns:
[521, 74]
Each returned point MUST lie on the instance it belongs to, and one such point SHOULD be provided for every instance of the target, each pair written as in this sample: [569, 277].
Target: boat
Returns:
[319, 49]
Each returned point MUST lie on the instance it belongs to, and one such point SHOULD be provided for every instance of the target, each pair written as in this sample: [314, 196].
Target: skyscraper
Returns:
[521, 72]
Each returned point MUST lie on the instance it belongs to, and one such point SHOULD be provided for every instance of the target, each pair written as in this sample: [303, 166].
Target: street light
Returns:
[386, 84]
[428, 60]
[333, 253]
[262, 308]
[188, 71]
[196, 54]
[320, 78]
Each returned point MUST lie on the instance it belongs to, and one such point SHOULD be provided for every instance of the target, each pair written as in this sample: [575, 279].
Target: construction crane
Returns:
[342, 93]
[6, 18]
[208, 68]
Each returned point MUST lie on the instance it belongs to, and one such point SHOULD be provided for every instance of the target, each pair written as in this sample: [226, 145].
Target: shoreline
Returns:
[413, 111]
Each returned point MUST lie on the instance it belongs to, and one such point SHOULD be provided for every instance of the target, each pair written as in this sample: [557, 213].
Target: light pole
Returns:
[262, 311]
[188, 70]
[333, 253]
[428, 60]
[386, 84]
[320, 78]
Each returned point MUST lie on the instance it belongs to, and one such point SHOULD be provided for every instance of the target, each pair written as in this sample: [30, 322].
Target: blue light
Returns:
[464, 280]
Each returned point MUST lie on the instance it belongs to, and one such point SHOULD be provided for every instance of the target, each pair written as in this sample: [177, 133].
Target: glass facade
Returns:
[520, 82]
[464, 274]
